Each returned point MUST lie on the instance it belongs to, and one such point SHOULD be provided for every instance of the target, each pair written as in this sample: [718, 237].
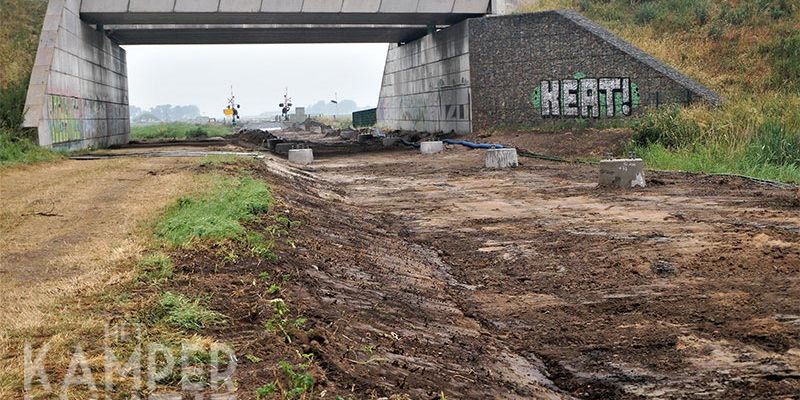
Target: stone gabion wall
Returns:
[78, 93]
[531, 67]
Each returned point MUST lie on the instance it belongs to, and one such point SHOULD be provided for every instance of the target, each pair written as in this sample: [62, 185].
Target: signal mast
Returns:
[286, 106]
[233, 109]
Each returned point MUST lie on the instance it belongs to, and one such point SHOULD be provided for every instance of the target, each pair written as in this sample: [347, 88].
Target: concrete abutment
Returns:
[78, 93]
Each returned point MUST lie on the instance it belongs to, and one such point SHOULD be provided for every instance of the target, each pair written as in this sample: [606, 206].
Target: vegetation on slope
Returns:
[746, 50]
[19, 38]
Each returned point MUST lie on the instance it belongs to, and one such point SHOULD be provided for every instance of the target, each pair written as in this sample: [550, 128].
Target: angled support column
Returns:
[502, 7]
[78, 93]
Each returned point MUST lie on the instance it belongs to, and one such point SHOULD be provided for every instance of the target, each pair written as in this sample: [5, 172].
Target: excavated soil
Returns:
[428, 275]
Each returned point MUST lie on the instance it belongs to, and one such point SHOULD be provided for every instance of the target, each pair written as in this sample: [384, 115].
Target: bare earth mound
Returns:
[427, 274]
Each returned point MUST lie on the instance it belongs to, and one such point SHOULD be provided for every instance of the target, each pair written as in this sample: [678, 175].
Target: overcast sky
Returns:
[202, 75]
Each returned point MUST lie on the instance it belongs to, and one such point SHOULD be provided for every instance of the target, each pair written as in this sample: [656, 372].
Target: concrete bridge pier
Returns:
[78, 93]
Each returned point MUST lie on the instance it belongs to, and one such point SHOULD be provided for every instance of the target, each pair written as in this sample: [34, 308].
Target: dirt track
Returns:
[422, 275]
[533, 283]
[65, 225]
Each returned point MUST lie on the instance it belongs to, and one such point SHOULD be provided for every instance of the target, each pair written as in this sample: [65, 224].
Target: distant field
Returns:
[178, 130]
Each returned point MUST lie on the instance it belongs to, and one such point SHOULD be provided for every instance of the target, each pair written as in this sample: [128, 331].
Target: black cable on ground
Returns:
[528, 154]
[780, 185]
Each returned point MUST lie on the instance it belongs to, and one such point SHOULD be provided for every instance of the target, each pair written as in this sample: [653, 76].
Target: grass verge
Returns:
[178, 130]
[218, 215]
[16, 150]
[758, 137]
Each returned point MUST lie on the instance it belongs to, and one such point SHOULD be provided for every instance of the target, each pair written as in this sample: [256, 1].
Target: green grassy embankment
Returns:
[19, 38]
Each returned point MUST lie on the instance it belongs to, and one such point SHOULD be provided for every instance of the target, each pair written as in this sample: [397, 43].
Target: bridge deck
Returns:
[262, 34]
[418, 12]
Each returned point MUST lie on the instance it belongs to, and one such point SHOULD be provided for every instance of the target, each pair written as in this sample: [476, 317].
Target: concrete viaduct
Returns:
[443, 54]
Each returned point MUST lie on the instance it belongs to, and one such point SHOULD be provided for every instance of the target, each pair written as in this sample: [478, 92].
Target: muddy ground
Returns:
[428, 275]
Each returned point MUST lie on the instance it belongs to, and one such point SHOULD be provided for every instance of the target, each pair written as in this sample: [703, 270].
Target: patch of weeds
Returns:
[216, 216]
[784, 54]
[155, 268]
[211, 161]
[253, 359]
[280, 320]
[775, 144]
[301, 381]
[266, 390]
[193, 357]
[274, 289]
[261, 247]
[17, 149]
[668, 126]
[369, 349]
[264, 276]
[288, 222]
[181, 312]
[671, 15]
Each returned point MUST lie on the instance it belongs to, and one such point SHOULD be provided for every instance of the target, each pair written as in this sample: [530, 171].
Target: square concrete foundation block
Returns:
[301, 156]
[624, 173]
[431, 147]
[501, 158]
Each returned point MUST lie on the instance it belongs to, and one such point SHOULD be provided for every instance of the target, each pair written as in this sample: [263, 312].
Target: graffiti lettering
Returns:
[584, 97]
[65, 114]
[550, 98]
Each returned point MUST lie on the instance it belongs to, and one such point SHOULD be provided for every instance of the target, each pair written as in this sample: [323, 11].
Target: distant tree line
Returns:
[329, 108]
[165, 113]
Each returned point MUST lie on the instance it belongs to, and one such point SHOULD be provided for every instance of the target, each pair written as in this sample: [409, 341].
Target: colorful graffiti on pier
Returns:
[65, 122]
[584, 97]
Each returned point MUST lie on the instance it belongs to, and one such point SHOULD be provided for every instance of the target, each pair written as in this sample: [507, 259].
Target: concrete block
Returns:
[431, 147]
[301, 156]
[624, 173]
[501, 158]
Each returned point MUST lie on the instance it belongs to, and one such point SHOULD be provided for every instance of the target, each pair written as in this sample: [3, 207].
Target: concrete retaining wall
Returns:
[426, 83]
[78, 94]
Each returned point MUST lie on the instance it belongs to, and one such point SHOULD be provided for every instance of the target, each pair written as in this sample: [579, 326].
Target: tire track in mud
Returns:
[377, 290]
[566, 272]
